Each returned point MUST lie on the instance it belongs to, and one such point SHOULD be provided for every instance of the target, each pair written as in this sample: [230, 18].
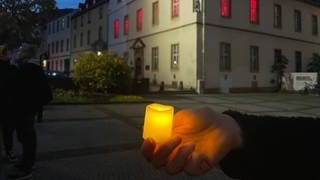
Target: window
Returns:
[254, 11]
[52, 47]
[49, 28]
[116, 28]
[254, 59]
[67, 44]
[225, 8]
[63, 24]
[100, 33]
[297, 21]
[126, 25]
[89, 17]
[155, 59]
[100, 12]
[314, 25]
[75, 41]
[61, 46]
[225, 57]
[81, 20]
[57, 46]
[81, 39]
[58, 26]
[298, 60]
[53, 27]
[139, 20]
[175, 56]
[175, 8]
[75, 23]
[68, 22]
[88, 37]
[277, 16]
[155, 13]
[277, 55]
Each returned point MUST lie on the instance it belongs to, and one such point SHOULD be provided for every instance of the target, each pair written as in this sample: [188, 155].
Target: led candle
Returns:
[158, 122]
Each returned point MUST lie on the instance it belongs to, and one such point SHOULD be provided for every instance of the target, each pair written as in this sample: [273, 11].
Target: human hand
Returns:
[201, 138]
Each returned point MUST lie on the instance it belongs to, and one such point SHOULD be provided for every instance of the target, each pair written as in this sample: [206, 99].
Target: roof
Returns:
[91, 5]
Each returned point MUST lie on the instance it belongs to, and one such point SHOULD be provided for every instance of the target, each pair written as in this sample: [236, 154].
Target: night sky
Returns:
[68, 3]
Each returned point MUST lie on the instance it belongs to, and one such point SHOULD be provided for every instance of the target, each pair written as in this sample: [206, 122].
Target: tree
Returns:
[278, 69]
[108, 71]
[21, 21]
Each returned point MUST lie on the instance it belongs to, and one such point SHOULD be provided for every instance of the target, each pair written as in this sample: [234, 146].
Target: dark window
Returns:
[254, 59]
[67, 44]
[175, 56]
[277, 13]
[297, 21]
[277, 55]
[155, 59]
[61, 46]
[225, 57]
[81, 39]
[155, 13]
[314, 25]
[298, 60]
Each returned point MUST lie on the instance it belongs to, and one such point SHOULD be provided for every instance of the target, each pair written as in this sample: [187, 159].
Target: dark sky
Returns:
[68, 3]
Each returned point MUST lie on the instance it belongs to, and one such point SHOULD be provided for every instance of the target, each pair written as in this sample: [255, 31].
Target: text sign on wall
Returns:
[301, 80]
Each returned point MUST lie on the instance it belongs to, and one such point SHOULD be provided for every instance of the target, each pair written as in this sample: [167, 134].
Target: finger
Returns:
[179, 160]
[197, 165]
[147, 148]
[161, 155]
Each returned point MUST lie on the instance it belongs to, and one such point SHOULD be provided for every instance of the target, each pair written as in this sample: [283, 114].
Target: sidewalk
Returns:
[82, 142]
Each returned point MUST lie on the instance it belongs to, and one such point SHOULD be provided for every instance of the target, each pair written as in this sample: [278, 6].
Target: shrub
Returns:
[108, 71]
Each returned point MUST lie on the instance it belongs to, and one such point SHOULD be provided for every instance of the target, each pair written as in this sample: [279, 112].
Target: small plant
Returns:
[278, 69]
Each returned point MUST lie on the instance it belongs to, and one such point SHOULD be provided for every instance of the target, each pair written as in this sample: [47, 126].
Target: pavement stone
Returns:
[84, 142]
[124, 165]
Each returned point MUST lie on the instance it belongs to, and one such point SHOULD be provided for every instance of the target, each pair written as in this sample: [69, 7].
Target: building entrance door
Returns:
[139, 64]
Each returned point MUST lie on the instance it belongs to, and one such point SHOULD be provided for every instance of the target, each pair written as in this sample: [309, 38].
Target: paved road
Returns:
[84, 142]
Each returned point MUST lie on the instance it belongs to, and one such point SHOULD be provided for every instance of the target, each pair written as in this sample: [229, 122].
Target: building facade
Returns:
[213, 45]
[58, 42]
[89, 28]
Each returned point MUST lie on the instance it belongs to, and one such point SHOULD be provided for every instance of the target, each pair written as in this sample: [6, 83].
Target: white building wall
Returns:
[238, 31]
[182, 30]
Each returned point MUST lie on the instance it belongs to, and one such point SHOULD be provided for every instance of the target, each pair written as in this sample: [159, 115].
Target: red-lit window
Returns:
[175, 8]
[139, 20]
[116, 28]
[254, 11]
[126, 25]
[225, 8]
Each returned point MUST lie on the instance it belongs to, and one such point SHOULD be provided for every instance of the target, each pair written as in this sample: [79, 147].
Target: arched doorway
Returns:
[138, 48]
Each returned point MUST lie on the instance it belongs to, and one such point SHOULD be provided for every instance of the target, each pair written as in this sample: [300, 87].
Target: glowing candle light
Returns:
[158, 122]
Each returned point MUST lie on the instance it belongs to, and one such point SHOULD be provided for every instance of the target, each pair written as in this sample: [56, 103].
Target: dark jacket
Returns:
[275, 148]
[7, 81]
[34, 89]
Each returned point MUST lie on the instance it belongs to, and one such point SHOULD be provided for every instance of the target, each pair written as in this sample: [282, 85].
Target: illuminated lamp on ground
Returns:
[158, 122]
